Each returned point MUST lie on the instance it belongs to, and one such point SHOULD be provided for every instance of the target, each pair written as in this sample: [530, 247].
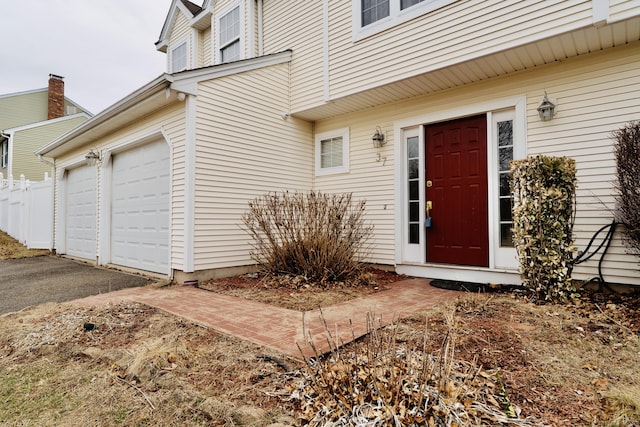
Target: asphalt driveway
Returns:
[31, 281]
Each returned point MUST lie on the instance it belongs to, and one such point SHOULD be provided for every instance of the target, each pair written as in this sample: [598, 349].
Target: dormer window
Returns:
[179, 57]
[230, 34]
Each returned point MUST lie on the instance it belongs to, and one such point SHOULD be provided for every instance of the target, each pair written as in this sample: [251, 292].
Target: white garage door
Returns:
[140, 208]
[81, 212]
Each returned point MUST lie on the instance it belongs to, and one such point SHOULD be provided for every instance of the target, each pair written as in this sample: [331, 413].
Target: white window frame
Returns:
[502, 256]
[186, 42]
[4, 147]
[338, 133]
[217, 44]
[396, 16]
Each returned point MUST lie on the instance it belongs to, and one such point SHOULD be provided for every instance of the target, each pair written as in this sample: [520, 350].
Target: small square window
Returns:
[332, 152]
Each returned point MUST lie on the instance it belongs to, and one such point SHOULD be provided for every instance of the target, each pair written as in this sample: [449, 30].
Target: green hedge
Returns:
[544, 192]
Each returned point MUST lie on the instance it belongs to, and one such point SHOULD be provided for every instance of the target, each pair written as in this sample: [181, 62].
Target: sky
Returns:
[104, 49]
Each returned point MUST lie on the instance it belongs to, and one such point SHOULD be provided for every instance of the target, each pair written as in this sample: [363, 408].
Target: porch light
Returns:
[92, 158]
[378, 138]
[547, 109]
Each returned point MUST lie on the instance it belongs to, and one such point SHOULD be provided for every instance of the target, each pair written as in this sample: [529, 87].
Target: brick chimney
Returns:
[56, 97]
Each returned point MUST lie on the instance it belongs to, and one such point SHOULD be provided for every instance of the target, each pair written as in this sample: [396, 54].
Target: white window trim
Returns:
[502, 257]
[4, 154]
[344, 134]
[396, 16]
[184, 40]
[219, 15]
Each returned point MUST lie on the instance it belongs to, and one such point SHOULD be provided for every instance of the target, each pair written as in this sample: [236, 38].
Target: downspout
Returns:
[53, 202]
[260, 38]
[600, 12]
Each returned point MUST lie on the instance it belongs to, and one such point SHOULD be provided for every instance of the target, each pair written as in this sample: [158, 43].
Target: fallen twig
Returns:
[133, 386]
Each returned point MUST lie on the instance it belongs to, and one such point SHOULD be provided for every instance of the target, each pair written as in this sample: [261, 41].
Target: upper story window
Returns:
[179, 57]
[230, 34]
[332, 152]
[374, 10]
[373, 16]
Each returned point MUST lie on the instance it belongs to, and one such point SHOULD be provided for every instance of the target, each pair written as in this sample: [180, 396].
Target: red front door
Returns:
[456, 174]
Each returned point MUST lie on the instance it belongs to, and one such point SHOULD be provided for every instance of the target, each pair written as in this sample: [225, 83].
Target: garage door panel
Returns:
[81, 212]
[140, 208]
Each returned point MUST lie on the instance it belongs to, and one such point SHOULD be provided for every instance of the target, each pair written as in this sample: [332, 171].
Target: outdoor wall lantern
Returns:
[378, 138]
[92, 157]
[547, 109]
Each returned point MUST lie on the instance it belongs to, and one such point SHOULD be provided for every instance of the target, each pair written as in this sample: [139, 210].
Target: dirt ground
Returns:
[128, 364]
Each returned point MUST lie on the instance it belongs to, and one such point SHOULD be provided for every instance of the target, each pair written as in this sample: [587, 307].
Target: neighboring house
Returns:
[410, 105]
[29, 120]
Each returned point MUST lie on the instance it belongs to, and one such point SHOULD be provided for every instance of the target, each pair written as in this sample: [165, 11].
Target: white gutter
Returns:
[132, 99]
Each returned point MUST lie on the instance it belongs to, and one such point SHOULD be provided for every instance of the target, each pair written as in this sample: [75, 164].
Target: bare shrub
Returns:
[627, 154]
[380, 382]
[318, 236]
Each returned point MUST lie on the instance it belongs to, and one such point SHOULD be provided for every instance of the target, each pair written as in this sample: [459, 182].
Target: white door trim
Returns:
[517, 103]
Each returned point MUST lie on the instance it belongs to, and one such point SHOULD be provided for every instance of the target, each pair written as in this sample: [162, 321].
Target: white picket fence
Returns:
[26, 211]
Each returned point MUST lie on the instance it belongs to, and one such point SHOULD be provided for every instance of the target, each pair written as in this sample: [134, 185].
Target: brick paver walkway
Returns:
[278, 328]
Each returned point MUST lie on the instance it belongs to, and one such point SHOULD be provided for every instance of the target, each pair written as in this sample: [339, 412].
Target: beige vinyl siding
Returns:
[23, 109]
[298, 25]
[453, 34]
[596, 94]
[26, 141]
[171, 120]
[622, 9]
[181, 28]
[207, 58]
[245, 149]
[367, 179]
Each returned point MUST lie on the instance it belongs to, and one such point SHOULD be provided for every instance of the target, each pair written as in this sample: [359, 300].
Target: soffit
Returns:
[526, 57]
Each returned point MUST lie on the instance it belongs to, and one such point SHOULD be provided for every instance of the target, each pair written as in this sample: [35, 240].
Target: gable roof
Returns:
[198, 16]
[158, 93]
[193, 8]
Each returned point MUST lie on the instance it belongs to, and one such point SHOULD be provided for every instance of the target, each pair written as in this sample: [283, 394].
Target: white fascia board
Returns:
[46, 122]
[26, 92]
[129, 101]
[187, 81]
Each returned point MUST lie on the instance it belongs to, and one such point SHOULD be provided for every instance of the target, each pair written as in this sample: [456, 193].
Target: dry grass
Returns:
[11, 248]
[559, 365]
[137, 367]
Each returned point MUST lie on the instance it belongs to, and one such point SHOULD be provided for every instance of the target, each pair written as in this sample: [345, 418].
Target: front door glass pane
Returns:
[505, 155]
[413, 189]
